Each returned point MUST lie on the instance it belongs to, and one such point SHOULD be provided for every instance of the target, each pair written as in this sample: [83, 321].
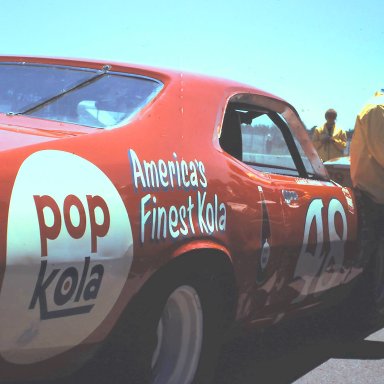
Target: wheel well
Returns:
[213, 272]
[212, 264]
[207, 264]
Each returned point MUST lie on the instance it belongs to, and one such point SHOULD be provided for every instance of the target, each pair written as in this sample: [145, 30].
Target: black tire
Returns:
[378, 283]
[370, 291]
[136, 340]
[366, 303]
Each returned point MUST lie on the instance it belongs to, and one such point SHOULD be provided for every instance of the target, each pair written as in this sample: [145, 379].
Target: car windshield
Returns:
[94, 98]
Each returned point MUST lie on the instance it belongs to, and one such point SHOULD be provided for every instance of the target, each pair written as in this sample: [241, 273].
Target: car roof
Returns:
[163, 74]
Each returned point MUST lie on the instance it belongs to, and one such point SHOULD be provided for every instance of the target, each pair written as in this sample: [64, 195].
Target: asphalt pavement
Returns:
[316, 350]
[321, 349]
[356, 363]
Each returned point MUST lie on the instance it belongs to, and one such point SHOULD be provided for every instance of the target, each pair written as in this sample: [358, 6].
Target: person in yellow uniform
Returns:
[328, 139]
[367, 149]
[367, 174]
[367, 166]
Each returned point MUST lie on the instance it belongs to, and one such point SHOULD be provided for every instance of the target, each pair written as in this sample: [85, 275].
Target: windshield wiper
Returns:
[48, 100]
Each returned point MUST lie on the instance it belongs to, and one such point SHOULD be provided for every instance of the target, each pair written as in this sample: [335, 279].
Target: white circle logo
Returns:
[69, 252]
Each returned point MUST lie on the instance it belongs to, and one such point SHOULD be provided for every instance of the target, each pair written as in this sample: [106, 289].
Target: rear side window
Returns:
[262, 139]
[264, 144]
[94, 98]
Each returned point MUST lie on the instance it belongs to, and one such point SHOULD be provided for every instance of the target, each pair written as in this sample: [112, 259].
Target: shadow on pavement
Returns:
[280, 354]
[283, 354]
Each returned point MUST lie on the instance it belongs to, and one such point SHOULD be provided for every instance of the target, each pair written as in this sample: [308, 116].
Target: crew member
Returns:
[367, 172]
[328, 139]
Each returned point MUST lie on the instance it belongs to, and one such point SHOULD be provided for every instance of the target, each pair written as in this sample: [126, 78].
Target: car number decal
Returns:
[328, 255]
[69, 252]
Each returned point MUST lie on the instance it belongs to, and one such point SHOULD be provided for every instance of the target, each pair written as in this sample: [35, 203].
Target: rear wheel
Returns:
[172, 332]
[179, 338]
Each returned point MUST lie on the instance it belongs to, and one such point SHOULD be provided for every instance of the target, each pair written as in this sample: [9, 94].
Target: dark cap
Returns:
[330, 112]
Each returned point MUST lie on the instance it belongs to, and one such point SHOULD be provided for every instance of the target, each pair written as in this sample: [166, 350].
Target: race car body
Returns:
[130, 192]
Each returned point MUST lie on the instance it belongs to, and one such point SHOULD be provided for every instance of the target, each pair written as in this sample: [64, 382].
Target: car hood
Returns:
[20, 131]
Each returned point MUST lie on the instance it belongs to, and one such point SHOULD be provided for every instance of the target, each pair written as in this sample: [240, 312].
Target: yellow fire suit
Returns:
[334, 147]
[367, 149]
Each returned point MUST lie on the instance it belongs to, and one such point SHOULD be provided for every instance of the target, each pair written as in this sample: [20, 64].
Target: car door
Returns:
[318, 216]
[317, 229]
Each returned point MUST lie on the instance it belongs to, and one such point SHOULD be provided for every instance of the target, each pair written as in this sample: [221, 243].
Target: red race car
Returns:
[149, 212]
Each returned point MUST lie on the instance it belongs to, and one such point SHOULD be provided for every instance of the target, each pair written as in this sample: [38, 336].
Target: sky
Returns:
[315, 54]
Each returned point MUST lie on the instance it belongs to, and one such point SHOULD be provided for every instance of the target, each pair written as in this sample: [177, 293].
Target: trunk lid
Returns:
[20, 131]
